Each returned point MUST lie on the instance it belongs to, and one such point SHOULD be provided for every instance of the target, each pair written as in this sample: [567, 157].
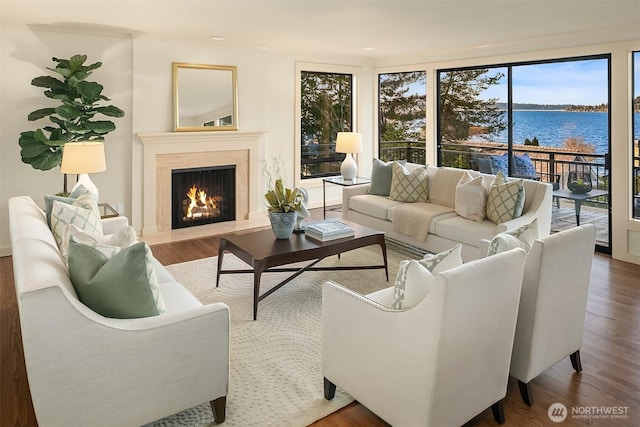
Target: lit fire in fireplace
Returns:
[199, 205]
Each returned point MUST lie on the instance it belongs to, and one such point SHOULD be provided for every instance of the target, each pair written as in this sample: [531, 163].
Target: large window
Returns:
[402, 116]
[543, 120]
[326, 108]
[636, 135]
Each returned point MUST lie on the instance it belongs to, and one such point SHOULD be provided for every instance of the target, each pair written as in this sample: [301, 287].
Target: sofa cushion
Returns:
[415, 277]
[442, 186]
[372, 205]
[124, 237]
[115, 282]
[83, 213]
[48, 200]
[381, 174]
[499, 164]
[466, 231]
[520, 237]
[471, 197]
[408, 186]
[523, 166]
[505, 200]
[177, 297]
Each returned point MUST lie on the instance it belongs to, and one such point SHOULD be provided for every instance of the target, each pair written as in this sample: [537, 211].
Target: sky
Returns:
[569, 82]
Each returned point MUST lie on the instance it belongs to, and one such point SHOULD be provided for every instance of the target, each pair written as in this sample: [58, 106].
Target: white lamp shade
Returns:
[349, 142]
[83, 157]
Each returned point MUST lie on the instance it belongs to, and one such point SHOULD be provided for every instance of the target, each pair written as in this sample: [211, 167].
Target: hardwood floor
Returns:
[610, 354]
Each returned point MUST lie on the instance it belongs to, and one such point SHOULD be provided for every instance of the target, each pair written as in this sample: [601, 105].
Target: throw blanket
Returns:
[414, 219]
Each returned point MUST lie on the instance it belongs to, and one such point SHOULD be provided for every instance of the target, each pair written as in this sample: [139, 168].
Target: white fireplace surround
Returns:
[164, 152]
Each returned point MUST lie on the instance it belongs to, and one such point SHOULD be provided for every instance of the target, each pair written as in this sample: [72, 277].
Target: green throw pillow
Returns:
[408, 186]
[381, 177]
[415, 277]
[115, 282]
[505, 200]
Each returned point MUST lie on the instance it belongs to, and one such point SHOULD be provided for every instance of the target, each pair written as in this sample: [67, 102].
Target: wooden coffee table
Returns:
[262, 251]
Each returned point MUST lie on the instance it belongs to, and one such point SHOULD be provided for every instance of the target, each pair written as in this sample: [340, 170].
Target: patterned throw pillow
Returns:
[521, 237]
[48, 200]
[505, 200]
[415, 277]
[116, 282]
[83, 213]
[408, 186]
[381, 177]
[471, 197]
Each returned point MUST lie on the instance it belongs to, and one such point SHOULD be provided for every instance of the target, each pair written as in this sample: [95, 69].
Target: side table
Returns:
[107, 211]
[577, 198]
[338, 180]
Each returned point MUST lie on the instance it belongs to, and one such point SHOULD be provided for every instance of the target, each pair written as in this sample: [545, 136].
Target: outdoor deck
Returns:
[565, 217]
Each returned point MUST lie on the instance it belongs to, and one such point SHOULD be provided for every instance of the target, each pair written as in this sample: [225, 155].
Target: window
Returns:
[542, 120]
[326, 108]
[635, 143]
[402, 116]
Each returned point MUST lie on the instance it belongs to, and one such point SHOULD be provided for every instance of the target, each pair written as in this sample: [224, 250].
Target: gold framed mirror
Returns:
[205, 97]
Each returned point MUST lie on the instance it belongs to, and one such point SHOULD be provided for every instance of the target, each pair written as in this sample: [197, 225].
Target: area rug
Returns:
[275, 362]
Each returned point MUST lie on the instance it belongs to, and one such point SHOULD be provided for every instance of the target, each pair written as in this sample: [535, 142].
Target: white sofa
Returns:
[448, 229]
[88, 370]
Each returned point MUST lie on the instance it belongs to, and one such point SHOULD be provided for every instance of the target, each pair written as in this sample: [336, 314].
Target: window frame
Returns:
[355, 72]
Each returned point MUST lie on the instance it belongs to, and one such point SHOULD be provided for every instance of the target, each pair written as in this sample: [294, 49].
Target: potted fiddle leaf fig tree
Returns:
[73, 120]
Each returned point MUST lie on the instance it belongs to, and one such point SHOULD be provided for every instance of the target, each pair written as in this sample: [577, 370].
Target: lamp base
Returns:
[85, 181]
[349, 168]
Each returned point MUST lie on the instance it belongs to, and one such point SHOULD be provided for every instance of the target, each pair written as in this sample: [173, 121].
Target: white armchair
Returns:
[439, 363]
[553, 304]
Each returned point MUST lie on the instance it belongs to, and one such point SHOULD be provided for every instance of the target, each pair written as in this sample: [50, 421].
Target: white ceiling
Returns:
[392, 27]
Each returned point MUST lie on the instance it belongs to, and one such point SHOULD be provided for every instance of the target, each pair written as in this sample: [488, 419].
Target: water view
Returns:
[552, 128]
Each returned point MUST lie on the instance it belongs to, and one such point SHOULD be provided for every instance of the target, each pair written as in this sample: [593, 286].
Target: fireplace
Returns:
[203, 195]
[164, 152]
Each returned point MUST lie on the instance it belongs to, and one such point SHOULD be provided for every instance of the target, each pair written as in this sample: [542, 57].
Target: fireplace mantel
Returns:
[174, 150]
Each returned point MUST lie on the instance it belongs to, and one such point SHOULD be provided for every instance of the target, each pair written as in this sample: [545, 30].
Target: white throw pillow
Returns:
[471, 197]
[505, 200]
[83, 213]
[123, 238]
[521, 237]
[415, 277]
[408, 186]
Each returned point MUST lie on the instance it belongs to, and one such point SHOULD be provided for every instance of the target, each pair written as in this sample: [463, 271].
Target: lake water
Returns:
[552, 128]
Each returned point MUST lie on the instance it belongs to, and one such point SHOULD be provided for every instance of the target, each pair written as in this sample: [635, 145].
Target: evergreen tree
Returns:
[402, 106]
[461, 107]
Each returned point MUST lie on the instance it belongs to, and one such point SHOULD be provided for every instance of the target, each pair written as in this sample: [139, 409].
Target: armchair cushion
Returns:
[499, 164]
[48, 200]
[408, 186]
[520, 237]
[505, 200]
[415, 277]
[115, 282]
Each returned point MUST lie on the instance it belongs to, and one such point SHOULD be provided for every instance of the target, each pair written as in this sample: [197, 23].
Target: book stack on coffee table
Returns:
[329, 230]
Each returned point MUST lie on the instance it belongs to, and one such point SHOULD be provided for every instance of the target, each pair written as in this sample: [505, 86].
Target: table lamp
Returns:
[83, 158]
[349, 142]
